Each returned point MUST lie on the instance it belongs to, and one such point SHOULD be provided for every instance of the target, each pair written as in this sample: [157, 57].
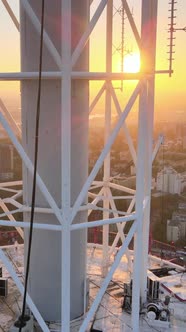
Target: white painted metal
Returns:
[108, 278]
[59, 151]
[148, 42]
[26, 224]
[157, 146]
[144, 159]
[29, 166]
[69, 205]
[10, 119]
[20, 76]
[122, 188]
[11, 13]
[96, 199]
[125, 129]
[104, 222]
[102, 198]
[77, 52]
[105, 151]
[83, 225]
[123, 225]
[106, 176]
[96, 99]
[19, 285]
[140, 176]
[10, 184]
[10, 217]
[120, 234]
[37, 25]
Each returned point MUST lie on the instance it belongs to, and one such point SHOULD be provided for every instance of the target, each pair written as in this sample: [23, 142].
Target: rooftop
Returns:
[110, 315]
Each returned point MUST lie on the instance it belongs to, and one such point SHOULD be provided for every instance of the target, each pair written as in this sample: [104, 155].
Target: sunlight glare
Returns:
[131, 63]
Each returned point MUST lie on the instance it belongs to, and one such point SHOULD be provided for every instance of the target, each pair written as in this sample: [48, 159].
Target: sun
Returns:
[131, 63]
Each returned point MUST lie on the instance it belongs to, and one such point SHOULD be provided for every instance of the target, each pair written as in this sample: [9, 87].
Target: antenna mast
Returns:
[122, 39]
[172, 37]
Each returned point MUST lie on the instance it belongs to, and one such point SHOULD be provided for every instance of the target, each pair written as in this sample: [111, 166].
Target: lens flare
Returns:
[131, 63]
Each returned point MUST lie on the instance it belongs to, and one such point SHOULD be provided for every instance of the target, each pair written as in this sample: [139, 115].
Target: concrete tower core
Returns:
[45, 267]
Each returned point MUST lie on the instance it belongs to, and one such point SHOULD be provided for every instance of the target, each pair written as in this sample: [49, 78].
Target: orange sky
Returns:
[170, 93]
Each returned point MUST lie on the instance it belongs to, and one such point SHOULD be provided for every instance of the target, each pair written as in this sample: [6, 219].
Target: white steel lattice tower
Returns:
[45, 269]
[57, 286]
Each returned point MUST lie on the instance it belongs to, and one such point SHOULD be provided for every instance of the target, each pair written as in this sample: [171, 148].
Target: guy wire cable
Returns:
[22, 317]
[164, 189]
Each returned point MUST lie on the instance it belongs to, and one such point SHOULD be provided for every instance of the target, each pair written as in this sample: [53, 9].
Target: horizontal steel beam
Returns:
[90, 224]
[101, 76]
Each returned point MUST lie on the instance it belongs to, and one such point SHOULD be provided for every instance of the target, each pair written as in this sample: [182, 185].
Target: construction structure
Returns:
[65, 192]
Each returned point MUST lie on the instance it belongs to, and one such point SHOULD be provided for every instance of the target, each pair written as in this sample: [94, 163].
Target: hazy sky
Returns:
[170, 92]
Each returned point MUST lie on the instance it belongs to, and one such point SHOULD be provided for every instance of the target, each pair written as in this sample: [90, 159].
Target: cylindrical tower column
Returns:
[144, 156]
[107, 133]
[45, 267]
[148, 42]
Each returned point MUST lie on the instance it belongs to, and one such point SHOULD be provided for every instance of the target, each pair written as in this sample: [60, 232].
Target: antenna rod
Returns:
[180, 29]
[122, 40]
[171, 31]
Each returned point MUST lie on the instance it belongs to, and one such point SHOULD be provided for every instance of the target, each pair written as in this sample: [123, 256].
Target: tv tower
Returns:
[57, 279]
[63, 149]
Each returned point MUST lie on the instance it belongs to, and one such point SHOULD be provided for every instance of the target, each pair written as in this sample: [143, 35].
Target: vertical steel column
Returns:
[107, 134]
[65, 161]
[140, 175]
[149, 28]
[63, 156]
[144, 157]
[46, 246]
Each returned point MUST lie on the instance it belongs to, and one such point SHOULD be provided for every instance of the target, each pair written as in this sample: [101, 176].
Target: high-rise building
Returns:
[169, 181]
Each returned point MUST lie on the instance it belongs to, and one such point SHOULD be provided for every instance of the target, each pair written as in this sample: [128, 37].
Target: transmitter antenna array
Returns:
[122, 39]
[171, 31]
[121, 49]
